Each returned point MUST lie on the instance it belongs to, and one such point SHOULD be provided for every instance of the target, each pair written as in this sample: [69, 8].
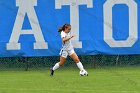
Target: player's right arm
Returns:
[64, 39]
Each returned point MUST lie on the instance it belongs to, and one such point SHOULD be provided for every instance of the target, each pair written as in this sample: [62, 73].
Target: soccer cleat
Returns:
[52, 72]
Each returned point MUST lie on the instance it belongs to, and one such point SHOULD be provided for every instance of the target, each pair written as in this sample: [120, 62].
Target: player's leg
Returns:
[57, 65]
[63, 57]
[74, 56]
[60, 63]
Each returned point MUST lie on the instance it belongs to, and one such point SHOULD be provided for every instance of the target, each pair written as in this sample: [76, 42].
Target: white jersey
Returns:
[67, 45]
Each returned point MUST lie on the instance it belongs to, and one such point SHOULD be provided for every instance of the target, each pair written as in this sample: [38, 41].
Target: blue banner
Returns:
[30, 27]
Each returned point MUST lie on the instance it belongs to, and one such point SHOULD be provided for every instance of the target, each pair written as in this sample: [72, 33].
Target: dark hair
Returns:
[63, 27]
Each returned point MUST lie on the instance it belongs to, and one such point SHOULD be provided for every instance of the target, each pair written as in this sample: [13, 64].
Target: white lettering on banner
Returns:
[26, 7]
[74, 16]
[133, 23]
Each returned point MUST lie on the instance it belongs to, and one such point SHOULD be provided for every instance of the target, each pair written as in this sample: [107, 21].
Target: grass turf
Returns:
[105, 80]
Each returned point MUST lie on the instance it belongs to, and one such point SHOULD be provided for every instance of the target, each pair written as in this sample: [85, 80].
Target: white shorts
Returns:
[65, 53]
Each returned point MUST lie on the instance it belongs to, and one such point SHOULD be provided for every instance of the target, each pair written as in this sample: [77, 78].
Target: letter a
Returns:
[26, 7]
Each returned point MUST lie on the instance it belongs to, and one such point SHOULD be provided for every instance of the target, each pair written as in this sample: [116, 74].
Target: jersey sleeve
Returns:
[63, 35]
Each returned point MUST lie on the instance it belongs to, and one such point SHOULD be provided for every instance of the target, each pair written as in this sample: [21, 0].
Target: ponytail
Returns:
[63, 27]
[60, 29]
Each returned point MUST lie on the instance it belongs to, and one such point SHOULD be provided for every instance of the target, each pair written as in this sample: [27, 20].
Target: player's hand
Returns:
[73, 36]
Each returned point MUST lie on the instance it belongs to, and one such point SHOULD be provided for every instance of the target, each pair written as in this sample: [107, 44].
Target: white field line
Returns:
[21, 89]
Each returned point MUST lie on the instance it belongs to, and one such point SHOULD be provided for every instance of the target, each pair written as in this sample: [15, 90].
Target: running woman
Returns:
[67, 49]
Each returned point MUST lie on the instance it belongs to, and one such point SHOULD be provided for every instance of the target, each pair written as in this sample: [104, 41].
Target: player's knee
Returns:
[61, 63]
[76, 60]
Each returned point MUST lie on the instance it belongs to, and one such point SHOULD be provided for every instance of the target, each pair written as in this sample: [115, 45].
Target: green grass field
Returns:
[105, 80]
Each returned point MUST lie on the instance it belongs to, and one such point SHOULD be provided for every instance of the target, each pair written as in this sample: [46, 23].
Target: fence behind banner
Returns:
[98, 61]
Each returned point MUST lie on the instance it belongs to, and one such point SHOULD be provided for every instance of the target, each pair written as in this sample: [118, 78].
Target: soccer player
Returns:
[67, 49]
